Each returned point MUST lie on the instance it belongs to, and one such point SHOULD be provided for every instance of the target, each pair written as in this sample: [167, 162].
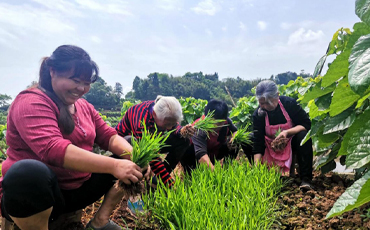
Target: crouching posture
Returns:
[279, 125]
[51, 169]
[165, 113]
[207, 149]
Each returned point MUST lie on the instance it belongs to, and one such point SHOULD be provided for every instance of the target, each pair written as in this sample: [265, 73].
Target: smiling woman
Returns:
[65, 77]
[51, 169]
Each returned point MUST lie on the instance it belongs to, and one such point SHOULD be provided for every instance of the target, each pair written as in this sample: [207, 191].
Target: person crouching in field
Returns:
[206, 150]
[51, 169]
[165, 114]
[279, 125]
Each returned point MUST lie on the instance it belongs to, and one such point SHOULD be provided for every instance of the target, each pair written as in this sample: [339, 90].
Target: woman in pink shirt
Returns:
[51, 169]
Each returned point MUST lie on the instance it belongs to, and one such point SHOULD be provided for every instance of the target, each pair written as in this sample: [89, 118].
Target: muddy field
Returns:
[297, 210]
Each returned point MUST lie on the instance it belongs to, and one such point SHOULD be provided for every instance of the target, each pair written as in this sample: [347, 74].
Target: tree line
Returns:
[197, 85]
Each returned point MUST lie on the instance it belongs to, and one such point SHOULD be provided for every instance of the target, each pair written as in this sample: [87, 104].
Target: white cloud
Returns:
[67, 8]
[26, 18]
[261, 25]
[224, 28]
[170, 5]
[242, 26]
[206, 7]
[209, 32]
[95, 39]
[285, 25]
[110, 7]
[301, 36]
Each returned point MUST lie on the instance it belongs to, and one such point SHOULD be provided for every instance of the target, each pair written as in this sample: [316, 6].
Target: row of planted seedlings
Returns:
[235, 195]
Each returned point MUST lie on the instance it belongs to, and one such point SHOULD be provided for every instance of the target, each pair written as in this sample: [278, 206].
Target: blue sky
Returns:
[246, 38]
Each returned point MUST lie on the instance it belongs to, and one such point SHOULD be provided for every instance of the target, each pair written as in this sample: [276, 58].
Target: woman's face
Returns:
[268, 105]
[67, 87]
[165, 124]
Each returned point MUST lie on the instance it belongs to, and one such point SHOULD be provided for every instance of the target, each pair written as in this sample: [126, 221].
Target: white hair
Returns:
[168, 107]
[267, 89]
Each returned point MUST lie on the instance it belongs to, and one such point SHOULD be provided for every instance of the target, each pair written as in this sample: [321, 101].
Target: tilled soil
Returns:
[296, 209]
[307, 210]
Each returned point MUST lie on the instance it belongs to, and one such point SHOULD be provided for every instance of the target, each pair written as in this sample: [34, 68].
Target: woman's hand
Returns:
[283, 134]
[127, 171]
[148, 173]
[187, 131]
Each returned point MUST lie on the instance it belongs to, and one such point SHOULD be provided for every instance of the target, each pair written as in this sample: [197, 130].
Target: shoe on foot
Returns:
[109, 226]
[306, 185]
[135, 206]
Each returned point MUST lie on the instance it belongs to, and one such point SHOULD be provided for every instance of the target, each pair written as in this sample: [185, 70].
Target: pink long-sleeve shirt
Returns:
[33, 133]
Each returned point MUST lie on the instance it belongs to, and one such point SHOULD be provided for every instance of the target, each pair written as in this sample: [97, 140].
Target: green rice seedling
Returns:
[144, 150]
[233, 196]
[208, 124]
[242, 137]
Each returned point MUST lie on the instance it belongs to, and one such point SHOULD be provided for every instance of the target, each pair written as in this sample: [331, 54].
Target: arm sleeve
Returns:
[200, 144]
[177, 128]
[123, 128]
[232, 127]
[158, 168]
[103, 131]
[259, 133]
[36, 121]
[298, 115]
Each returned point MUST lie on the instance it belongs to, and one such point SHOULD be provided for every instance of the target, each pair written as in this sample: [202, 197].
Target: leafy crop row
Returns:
[226, 198]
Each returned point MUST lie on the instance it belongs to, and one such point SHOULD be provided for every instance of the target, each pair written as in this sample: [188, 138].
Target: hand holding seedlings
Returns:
[187, 131]
[127, 171]
[144, 150]
[280, 141]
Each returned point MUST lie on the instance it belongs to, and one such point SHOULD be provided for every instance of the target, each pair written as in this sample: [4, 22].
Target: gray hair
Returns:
[266, 89]
[168, 107]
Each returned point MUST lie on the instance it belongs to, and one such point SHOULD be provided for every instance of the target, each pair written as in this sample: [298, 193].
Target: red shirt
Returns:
[33, 133]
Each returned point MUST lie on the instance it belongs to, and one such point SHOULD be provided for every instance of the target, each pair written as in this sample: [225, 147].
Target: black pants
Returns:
[30, 187]
[189, 161]
[304, 155]
[176, 148]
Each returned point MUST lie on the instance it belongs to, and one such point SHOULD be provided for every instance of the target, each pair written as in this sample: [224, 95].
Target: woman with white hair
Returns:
[165, 113]
[280, 124]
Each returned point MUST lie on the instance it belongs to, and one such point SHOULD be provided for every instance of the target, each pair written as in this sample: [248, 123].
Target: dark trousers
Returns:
[175, 150]
[304, 155]
[30, 187]
[189, 161]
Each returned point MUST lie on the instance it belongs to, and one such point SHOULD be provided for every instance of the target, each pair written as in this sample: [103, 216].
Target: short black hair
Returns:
[219, 107]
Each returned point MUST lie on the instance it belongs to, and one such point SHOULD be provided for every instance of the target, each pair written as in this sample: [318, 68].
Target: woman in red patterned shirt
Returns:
[50, 168]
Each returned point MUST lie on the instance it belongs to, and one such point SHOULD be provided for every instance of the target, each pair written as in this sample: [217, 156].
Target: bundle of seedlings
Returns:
[206, 124]
[240, 137]
[279, 144]
[144, 150]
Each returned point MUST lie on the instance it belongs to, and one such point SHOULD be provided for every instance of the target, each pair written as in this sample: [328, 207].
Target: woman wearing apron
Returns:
[281, 117]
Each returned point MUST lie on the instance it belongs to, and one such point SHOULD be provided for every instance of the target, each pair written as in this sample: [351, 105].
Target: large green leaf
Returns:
[355, 196]
[325, 142]
[357, 124]
[359, 147]
[319, 66]
[343, 98]
[327, 157]
[362, 10]
[339, 122]
[323, 103]
[317, 91]
[361, 101]
[337, 69]
[339, 41]
[359, 61]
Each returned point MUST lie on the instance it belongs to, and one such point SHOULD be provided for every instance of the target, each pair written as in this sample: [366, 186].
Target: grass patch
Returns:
[235, 196]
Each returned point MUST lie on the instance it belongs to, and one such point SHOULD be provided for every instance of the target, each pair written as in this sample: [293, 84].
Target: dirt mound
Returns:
[299, 210]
